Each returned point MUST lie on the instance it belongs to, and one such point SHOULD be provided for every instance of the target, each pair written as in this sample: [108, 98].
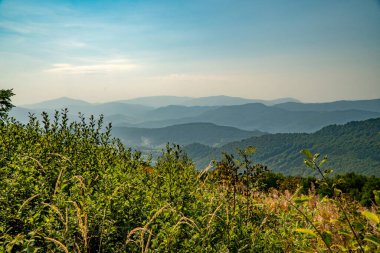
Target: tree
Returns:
[5, 101]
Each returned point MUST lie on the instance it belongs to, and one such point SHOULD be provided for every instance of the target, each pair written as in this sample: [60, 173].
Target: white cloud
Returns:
[117, 65]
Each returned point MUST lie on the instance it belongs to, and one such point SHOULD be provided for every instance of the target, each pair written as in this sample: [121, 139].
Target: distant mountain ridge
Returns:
[205, 133]
[161, 101]
[176, 112]
[267, 118]
[352, 147]
[208, 130]
[278, 118]
[226, 100]
[364, 105]
[157, 101]
[57, 103]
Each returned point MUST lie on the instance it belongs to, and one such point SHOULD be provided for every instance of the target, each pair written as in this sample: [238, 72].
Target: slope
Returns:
[365, 105]
[205, 133]
[268, 119]
[176, 112]
[353, 147]
[57, 103]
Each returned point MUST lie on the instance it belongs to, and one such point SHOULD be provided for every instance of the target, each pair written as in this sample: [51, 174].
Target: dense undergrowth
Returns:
[70, 187]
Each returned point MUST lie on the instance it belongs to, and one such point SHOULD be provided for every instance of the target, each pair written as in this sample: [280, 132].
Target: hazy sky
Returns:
[107, 50]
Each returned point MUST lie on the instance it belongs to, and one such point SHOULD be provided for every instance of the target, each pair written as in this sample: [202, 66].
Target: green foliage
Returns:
[315, 163]
[355, 187]
[70, 187]
[5, 102]
[239, 175]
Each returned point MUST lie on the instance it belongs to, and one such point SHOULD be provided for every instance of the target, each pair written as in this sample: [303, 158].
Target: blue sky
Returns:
[108, 50]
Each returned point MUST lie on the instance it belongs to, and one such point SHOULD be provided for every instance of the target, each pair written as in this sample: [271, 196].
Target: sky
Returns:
[111, 50]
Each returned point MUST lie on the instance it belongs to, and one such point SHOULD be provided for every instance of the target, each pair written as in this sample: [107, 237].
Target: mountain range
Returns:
[364, 105]
[266, 118]
[280, 117]
[204, 133]
[148, 123]
[208, 126]
[162, 101]
[352, 147]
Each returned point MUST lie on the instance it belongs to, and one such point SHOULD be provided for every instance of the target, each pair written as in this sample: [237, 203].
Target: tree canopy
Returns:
[5, 101]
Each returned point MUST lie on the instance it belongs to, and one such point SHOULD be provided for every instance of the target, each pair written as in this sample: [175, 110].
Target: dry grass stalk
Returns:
[35, 160]
[58, 180]
[157, 214]
[58, 243]
[205, 170]
[27, 201]
[81, 181]
[67, 220]
[212, 216]
[145, 247]
[61, 156]
[82, 223]
[77, 247]
[187, 221]
[56, 210]
[134, 231]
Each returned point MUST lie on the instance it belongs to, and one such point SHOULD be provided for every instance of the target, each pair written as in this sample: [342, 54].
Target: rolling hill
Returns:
[290, 117]
[205, 133]
[364, 105]
[227, 100]
[176, 112]
[268, 118]
[57, 103]
[161, 101]
[157, 101]
[353, 147]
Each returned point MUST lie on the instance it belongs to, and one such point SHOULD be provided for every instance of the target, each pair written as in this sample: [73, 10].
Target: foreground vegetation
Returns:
[70, 187]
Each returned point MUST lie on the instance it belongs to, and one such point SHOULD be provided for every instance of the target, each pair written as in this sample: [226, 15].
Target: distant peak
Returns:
[58, 102]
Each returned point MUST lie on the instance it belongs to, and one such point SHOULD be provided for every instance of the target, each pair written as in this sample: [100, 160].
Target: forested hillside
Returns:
[352, 147]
